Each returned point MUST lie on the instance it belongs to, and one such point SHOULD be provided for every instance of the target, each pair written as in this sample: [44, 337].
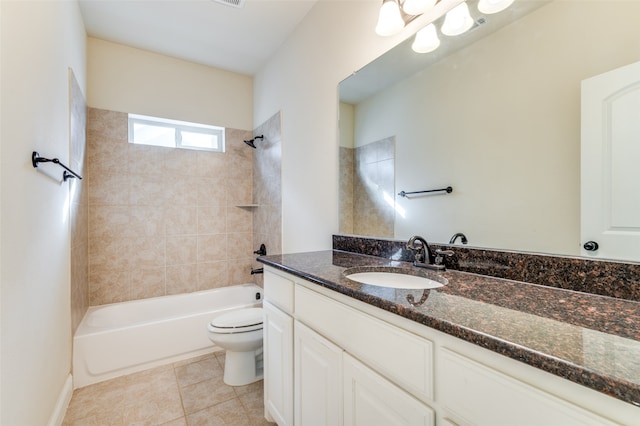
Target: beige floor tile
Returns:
[189, 392]
[194, 359]
[205, 369]
[205, 394]
[155, 406]
[102, 401]
[253, 402]
[229, 413]
[252, 387]
[182, 421]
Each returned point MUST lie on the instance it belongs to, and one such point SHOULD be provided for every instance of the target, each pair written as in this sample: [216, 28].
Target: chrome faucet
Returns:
[424, 257]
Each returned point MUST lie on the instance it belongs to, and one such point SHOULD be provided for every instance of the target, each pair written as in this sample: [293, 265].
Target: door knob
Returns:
[590, 246]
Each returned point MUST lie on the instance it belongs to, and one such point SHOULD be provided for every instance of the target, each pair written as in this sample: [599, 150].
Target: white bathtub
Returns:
[122, 338]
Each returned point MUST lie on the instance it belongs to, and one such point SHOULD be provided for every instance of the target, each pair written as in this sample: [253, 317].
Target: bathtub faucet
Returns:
[257, 271]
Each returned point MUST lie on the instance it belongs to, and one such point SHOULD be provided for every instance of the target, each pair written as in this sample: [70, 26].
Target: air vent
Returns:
[233, 3]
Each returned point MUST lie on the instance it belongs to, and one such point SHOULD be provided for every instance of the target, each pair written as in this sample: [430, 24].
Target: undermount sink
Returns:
[391, 277]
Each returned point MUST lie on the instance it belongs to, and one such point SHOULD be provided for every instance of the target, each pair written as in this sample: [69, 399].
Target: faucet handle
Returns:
[440, 255]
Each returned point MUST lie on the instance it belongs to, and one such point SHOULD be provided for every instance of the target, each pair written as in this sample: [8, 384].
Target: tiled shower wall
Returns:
[367, 175]
[78, 206]
[164, 221]
[267, 188]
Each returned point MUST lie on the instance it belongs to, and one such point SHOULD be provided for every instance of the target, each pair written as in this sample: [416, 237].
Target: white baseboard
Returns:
[63, 403]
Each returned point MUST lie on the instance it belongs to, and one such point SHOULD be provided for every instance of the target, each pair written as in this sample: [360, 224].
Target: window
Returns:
[145, 130]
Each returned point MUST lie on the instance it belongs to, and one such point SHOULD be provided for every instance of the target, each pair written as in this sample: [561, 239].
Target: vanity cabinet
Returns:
[338, 361]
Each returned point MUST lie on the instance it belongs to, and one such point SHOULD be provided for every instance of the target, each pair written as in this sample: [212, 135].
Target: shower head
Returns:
[250, 142]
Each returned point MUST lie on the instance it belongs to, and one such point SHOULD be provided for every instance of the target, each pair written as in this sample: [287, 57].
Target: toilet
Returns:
[240, 333]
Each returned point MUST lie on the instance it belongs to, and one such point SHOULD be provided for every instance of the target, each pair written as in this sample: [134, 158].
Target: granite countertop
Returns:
[588, 339]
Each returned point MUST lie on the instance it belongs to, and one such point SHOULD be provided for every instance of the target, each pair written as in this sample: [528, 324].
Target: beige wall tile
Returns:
[181, 219]
[147, 252]
[239, 245]
[108, 220]
[212, 275]
[182, 249]
[108, 187]
[213, 220]
[212, 247]
[146, 221]
[147, 282]
[182, 279]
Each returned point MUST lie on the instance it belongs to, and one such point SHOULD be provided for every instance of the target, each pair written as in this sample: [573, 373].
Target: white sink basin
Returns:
[395, 278]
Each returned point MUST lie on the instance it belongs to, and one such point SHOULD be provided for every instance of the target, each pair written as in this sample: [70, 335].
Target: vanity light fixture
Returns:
[426, 40]
[457, 21]
[390, 20]
[417, 7]
[493, 6]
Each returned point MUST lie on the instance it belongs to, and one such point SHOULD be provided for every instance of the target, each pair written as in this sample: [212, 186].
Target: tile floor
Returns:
[189, 392]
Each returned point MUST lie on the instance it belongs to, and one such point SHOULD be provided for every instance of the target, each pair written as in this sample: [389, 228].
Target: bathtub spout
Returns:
[257, 271]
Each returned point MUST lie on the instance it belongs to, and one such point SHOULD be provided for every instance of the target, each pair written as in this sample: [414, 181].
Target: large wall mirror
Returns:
[496, 115]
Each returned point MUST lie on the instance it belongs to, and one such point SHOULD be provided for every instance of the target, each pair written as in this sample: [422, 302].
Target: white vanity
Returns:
[333, 360]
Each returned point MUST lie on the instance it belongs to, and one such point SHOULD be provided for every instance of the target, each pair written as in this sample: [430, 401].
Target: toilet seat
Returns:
[237, 321]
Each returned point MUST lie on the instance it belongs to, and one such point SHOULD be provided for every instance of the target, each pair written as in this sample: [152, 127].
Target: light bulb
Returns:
[457, 21]
[417, 7]
[426, 40]
[493, 6]
[389, 20]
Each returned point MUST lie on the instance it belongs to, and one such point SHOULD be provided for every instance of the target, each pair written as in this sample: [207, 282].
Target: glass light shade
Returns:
[457, 21]
[417, 7]
[389, 20]
[426, 40]
[493, 6]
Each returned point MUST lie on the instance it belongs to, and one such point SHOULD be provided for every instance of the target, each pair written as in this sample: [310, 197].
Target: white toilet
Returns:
[240, 333]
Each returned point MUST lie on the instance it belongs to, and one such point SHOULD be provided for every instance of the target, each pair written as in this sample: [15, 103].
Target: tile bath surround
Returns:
[589, 339]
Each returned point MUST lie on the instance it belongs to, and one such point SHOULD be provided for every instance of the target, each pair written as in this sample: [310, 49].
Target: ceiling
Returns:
[202, 31]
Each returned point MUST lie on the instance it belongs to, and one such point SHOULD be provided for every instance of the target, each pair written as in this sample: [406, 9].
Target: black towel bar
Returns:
[448, 190]
[66, 174]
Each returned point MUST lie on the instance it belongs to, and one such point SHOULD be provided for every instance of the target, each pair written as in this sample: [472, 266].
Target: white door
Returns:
[610, 168]
[318, 379]
[278, 365]
[371, 400]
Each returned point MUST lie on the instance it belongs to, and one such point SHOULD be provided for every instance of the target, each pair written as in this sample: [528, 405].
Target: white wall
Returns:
[335, 39]
[40, 40]
[125, 79]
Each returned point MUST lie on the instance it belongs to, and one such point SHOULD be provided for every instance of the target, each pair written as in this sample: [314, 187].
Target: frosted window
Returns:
[145, 130]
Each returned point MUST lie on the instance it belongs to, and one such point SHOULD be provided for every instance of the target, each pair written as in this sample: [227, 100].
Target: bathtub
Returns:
[122, 338]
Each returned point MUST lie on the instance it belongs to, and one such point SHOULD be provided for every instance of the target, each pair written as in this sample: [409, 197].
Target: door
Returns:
[318, 379]
[610, 175]
[278, 365]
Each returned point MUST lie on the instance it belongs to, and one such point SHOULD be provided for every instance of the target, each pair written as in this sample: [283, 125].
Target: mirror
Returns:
[494, 114]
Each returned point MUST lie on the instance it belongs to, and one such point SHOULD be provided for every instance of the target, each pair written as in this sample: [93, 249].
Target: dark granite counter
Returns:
[589, 339]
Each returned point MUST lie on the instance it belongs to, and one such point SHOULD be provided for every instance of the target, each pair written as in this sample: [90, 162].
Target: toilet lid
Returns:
[237, 321]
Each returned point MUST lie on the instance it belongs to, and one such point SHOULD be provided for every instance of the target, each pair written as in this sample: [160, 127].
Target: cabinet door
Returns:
[474, 394]
[371, 400]
[318, 379]
[278, 365]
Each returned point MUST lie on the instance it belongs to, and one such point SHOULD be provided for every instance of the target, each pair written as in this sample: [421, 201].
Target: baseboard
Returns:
[63, 402]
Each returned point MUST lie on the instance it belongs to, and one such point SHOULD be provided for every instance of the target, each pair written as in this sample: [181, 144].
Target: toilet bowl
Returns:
[240, 333]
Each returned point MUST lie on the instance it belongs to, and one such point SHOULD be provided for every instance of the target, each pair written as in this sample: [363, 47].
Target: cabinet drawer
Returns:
[475, 394]
[402, 357]
[279, 291]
